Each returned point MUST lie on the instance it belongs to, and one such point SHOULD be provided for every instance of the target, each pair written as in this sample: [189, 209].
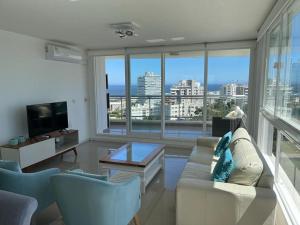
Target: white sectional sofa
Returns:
[201, 201]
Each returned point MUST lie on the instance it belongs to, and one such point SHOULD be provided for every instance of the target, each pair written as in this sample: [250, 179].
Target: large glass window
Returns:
[145, 93]
[289, 80]
[282, 101]
[184, 91]
[272, 69]
[228, 75]
[290, 160]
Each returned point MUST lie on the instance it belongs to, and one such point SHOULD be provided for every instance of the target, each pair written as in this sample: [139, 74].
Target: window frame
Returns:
[283, 186]
[163, 50]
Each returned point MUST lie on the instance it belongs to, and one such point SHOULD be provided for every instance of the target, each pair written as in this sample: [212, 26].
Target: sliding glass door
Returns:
[228, 75]
[116, 96]
[170, 94]
[272, 69]
[184, 94]
[145, 93]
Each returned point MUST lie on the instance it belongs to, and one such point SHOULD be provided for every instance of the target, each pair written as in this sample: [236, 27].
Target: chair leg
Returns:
[136, 220]
[75, 151]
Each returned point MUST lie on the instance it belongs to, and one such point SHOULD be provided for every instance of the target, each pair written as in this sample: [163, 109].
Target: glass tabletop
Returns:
[135, 152]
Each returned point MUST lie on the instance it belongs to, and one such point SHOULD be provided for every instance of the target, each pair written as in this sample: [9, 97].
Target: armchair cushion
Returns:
[36, 185]
[89, 201]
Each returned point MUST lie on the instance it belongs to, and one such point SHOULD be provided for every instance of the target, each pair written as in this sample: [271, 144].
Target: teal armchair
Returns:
[93, 201]
[36, 185]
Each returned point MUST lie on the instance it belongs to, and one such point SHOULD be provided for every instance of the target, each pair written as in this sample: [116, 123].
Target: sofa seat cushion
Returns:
[248, 166]
[203, 155]
[197, 171]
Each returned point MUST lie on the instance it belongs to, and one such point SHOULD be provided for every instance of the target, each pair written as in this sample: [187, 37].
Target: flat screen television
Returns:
[45, 118]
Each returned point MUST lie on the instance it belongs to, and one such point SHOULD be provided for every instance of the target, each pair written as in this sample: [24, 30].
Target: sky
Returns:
[221, 70]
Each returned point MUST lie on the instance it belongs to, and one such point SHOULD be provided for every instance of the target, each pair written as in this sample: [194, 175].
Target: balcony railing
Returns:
[178, 108]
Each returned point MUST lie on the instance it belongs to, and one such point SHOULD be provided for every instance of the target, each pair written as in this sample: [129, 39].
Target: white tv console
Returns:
[41, 148]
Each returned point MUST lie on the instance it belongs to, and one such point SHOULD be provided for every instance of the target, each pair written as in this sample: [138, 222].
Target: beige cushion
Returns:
[247, 163]
[240, 133]
[201, 155]
[196, 171]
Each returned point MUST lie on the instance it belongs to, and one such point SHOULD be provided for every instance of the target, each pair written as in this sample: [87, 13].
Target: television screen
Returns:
[44, 118]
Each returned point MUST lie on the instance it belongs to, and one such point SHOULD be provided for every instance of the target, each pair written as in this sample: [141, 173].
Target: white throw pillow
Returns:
[248, 167]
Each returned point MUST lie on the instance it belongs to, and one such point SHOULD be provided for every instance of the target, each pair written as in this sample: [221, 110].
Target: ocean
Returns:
[119, 90]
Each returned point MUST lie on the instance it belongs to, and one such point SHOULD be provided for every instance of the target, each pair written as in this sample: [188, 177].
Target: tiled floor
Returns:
[158, 203]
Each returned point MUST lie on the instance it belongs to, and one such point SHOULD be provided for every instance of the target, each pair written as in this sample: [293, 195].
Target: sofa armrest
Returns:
[223, 203]
[208, 142]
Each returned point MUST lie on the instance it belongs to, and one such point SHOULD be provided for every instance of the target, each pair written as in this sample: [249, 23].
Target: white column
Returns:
[100, 94]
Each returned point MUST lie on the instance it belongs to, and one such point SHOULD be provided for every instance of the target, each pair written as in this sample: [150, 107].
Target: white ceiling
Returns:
[86, 22]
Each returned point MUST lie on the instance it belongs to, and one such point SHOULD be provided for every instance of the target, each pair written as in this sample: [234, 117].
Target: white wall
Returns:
[27, 78]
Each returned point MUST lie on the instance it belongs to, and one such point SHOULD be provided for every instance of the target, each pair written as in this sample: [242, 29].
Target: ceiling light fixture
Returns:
[126, 29]
[156, 40]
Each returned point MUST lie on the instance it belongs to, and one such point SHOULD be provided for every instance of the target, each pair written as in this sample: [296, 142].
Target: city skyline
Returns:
[183, 100]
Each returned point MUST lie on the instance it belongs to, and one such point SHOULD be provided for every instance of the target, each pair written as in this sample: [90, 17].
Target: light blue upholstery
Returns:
[16, 209]
[10, 165]
[36, 185]
[89, 201]
[80, 172]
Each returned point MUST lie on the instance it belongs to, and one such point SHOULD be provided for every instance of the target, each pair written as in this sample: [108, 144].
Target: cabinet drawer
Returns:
[37, 152]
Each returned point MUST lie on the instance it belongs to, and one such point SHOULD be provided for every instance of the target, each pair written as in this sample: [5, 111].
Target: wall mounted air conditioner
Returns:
[62, 53]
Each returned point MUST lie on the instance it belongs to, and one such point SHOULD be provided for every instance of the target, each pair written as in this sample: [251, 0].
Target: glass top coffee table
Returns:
[146, 159]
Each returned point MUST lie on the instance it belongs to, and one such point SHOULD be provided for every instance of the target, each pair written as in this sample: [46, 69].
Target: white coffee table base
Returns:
[146, 173]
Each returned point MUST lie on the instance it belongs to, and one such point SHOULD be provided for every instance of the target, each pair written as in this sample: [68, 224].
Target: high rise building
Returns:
[184, 106]
[149, 84]
[228, 89]
[148, 92]
[187, 87]
[234, 89]
[242, 90]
